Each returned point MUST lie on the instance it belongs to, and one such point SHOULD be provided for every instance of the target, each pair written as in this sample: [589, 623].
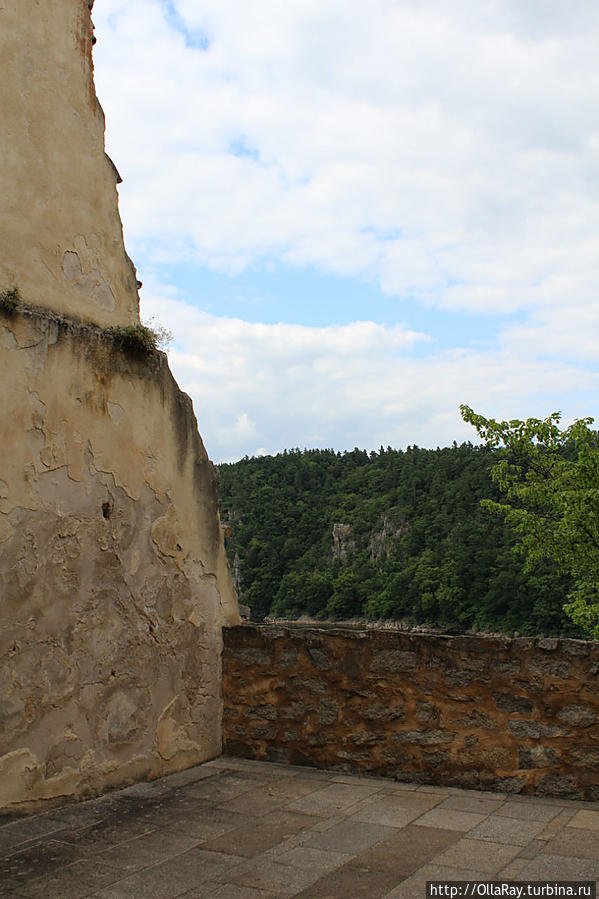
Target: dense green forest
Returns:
[389, 535]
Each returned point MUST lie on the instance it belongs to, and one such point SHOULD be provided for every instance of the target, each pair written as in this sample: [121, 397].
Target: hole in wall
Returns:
[106, 510]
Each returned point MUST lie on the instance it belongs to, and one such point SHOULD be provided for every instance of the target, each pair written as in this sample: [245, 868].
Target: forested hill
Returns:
[396, 535]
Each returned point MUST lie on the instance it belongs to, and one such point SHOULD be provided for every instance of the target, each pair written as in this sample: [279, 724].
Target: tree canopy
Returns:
[388, 535]
[550, 479]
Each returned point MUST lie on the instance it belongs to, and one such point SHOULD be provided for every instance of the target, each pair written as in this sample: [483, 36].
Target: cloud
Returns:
[557, 334]
[446, 152]
[261, 388]
[467, 130]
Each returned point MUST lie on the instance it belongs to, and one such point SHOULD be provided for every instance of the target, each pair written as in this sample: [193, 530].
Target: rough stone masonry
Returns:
[114, 585]
[515, 715]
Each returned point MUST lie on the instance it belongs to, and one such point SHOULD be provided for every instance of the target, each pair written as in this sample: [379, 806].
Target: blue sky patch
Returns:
[241, 148]
[304, 296]
[193, 38]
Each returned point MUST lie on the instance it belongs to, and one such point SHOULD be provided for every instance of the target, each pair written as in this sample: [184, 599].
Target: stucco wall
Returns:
[114, 584]
[518, 715]
[60, 231]
[113, 580]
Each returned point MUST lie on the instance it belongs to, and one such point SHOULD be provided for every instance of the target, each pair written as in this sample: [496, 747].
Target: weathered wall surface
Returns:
[518, 715]
[60, 231]
[113, 581]
[114, 585]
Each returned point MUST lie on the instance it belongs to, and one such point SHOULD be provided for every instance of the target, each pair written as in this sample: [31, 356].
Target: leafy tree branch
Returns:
[550, 477]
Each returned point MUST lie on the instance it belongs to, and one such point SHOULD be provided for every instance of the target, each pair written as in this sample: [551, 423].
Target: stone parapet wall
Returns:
[518, 715]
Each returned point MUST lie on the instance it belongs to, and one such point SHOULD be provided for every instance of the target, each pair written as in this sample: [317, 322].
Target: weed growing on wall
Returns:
[163, 336]
[139, 339]
[10, 300]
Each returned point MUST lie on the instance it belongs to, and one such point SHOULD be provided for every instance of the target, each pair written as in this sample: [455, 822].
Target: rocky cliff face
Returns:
[343, 541]
[114, 584]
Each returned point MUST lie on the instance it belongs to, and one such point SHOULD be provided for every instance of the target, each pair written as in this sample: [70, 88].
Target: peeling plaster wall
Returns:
[114, 585]
[60, 231]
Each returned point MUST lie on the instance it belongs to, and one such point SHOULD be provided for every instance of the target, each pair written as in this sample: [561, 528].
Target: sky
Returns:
[355, 217]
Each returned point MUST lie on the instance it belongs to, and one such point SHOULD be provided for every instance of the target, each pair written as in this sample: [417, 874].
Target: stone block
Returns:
[426, 712]
[393, 661]
[585, 756]
[351, 666]
[266, 711]
[296, 710]
[511, 702]
[574, 715]
[576, 648]
[476, 719]
[289, 659]
[537, 757]
[313, 685]
[495, 758]
[423, 737]
[318, 657]
[459, 678]
[366, 737]
[548, 643]
[550, 666]
[560, 785]
[346, 755]
[263, 731]
[436, 759]
[251, 655]
[384, 712]
[533, 730]
[508, 667]
[328, 711]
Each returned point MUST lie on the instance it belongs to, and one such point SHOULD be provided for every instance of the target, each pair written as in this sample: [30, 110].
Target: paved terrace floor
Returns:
[242, 829]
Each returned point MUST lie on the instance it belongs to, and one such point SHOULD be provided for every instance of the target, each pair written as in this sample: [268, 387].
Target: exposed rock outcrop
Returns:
[343, 541]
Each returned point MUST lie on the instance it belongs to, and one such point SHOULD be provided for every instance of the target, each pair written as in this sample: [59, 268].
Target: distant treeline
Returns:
[395, 535]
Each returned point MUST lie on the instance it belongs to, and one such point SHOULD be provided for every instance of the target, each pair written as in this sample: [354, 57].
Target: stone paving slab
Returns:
[530, 811]
[483, 859]
[238, 829]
